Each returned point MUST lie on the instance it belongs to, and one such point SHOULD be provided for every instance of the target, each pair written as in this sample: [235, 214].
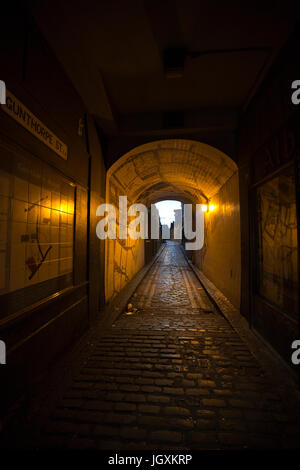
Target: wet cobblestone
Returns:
[172, 375]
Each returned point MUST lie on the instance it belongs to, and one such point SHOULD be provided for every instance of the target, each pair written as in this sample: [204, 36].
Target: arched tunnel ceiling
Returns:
[186, 170]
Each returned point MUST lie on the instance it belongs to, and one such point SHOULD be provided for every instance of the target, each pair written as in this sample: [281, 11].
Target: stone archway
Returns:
[187, 170]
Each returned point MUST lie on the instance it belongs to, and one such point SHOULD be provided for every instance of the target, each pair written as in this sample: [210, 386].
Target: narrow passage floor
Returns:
[174, 374]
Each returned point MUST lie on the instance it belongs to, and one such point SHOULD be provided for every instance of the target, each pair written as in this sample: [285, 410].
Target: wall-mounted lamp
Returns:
[208, 208]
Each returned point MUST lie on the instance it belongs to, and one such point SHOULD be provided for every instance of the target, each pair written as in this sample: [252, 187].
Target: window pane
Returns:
[277, 242]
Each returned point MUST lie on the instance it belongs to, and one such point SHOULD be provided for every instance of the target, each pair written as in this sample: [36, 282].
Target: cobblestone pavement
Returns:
[173, 375]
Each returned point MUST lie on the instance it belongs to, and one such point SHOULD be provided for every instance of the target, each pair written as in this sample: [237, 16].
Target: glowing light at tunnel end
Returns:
[138, 225]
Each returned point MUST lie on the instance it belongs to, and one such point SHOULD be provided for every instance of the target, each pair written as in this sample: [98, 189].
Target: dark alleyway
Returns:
[109, 109]
[172, 375]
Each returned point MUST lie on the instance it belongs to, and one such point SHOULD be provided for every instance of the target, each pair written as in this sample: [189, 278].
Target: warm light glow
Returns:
[63, 208]
[211, 207]
[204, 208]
[166, 210]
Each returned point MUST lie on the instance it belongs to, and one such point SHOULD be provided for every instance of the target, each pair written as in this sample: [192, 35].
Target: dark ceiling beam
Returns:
[193, 121]
[117, 146]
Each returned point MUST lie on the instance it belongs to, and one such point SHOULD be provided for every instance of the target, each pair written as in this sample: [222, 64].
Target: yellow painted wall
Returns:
[220, 258]
[124, 258]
